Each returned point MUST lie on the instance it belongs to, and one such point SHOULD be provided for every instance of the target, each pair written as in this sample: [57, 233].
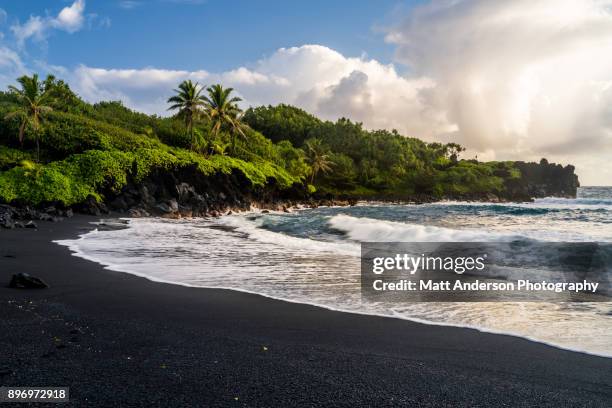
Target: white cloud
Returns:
[35, 28]
[144, 89]
[312, 76]
[11, 67]
[522, 79]
[69, 19]
[10, 59]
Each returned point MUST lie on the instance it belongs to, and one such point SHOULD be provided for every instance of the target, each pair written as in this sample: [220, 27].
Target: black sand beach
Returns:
[119, 340]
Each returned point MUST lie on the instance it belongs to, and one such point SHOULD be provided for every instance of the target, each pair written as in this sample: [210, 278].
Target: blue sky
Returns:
[510, 80]
[194, 34]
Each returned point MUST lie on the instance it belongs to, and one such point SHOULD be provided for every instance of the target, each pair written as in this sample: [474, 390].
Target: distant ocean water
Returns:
[312, 256]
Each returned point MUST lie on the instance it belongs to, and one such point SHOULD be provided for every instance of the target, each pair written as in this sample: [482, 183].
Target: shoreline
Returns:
[305, 346]
[19, 216]
[75, 252]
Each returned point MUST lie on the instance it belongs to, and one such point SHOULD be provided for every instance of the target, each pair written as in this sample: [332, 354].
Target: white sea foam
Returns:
[252, 227]
[234, 252]
[371, 230]
[572, 202]
[548, 203]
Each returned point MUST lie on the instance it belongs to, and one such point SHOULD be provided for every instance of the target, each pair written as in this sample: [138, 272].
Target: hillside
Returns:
[92, 157]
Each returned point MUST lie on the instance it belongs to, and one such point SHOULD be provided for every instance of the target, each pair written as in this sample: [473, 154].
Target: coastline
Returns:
[195, 346]
[75, 251]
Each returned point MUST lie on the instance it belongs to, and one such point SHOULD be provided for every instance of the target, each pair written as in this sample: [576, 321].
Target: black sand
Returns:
[119, 340]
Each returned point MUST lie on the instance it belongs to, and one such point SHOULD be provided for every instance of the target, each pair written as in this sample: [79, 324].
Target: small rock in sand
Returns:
[26, 281]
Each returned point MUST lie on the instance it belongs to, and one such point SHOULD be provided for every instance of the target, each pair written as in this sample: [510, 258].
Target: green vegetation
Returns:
[55, 147]
[317, 158]
[188, 101]
[223, 112]
[12, 157]
[379, 163]
[72, 180]
[92, 150]
[30, 106]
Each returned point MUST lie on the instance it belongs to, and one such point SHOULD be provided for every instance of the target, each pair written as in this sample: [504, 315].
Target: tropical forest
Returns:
[57, 149]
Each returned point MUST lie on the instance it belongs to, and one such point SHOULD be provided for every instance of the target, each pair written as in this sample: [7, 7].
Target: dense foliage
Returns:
[89, 150]
[380, 163]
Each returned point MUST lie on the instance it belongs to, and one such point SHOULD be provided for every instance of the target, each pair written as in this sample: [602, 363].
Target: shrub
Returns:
[11, 157]
[72, 180]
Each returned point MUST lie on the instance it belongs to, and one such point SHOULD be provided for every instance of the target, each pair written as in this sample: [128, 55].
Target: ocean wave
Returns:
[572, 202]
[237, 252]
[372, 230]
[252, 226]
[538, 205]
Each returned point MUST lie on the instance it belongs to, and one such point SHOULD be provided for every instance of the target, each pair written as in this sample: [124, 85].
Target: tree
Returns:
[32, 100]
[189, 102]
[282, 122]
[454, 150]
[224, 113]
[345, 172]
[293, 159]
[62, 98]
[318, 158]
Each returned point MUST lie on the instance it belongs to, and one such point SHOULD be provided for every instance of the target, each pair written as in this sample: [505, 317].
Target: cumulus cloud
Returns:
[145, 90]
[69, 19]
[526, 78]
[11, 66]
[314, 77]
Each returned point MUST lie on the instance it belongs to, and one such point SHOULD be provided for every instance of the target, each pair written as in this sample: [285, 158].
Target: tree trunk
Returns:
[22, 133]
[190, 128]
[37, 150]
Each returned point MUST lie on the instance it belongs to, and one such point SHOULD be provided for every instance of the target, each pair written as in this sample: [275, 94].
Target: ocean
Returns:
[311, 256]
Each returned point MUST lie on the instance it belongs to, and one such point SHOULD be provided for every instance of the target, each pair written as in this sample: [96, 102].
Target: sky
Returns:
[510, 80]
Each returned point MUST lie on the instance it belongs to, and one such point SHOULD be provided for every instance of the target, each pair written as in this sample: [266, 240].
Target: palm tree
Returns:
[223, 112]
[318, 158]
[32, 99]
[189, 103]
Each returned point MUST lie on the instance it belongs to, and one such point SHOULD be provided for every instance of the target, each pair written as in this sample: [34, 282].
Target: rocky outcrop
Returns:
[183, 194]
[542, 179]
[24, 217]
[26, 281]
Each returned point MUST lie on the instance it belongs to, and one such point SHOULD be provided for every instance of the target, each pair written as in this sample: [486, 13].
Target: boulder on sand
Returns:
[30, 224]
[27, 281]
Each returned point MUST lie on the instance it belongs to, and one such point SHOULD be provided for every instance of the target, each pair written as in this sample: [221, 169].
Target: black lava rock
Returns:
[26, 281]
[30, 224]
[6, 217]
